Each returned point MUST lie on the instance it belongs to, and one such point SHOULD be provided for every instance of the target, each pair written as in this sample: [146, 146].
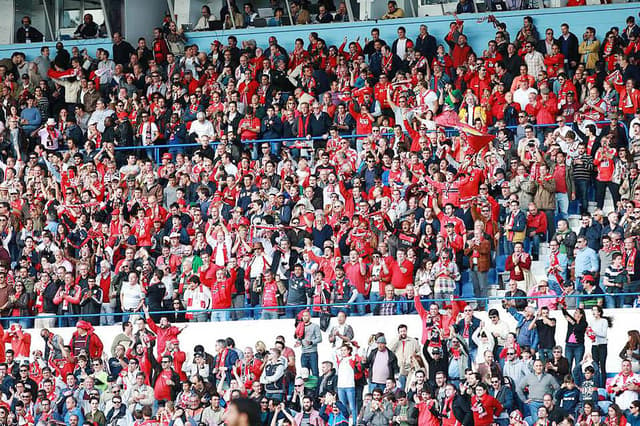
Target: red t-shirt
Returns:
[352, 271]
[399, 279]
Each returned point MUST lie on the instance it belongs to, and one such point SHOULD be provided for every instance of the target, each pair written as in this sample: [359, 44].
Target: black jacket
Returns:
[328, 384]
[462, 410]
[426, 46]
[122, 52]
[277, 258]
[475, 323]
[569, 47]
[271, 128]
[392, 363]
[33, 35]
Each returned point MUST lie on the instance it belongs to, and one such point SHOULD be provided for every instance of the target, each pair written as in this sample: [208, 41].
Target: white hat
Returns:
[51, 122]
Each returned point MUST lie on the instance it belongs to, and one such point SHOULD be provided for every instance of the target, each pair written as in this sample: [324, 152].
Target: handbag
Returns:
[325, 319]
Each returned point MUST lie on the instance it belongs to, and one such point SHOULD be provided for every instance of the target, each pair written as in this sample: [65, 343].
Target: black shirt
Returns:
[546, 335]
[122, 52]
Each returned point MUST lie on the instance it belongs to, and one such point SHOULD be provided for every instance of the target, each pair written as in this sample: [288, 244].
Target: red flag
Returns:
[478, 141]
[448, 119]
[474, 137]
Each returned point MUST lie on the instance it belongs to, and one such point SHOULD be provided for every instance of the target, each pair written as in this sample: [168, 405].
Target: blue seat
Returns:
[492, 276]
[467, 289]
[501, 261]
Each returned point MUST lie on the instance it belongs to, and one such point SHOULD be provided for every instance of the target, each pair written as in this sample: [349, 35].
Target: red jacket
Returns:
[537, 222]
[94, 344]
[20, 343]
[484, 409]
[163, 335]
[443, 321]
[460, 54]
[221, 292]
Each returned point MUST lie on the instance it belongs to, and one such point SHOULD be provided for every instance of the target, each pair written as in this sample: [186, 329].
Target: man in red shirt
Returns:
[249, 126]
[249, 369]
[164, 331]
[178, 356]
[536, 229]
[604, 161]
[357, 272]
[166, 382]
[461, 51]
[401, 272]
[221, 295]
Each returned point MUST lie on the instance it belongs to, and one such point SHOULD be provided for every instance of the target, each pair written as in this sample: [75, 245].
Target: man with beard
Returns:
[164, 330]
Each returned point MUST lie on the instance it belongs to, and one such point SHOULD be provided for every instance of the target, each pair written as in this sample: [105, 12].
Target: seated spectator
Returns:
[393, 11]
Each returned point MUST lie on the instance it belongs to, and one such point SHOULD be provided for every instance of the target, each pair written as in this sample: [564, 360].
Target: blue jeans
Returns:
[291, 312]
[562, 205]
[545, 354]
[310, 361]
[553, 285]
[582, 194]
[266, 315]
[532, 245]
[67, 321]
[348, 397]
[220, 315]
[480, 282]
[612, 301]
[574, 352]
[361, 307]
[274, 396]
[373, 386]
[533, 409]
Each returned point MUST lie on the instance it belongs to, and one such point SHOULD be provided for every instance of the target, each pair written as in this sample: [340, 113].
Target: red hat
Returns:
[591, 79]
[15, 327]
[505, 184]
[174, 341]
[516, 415]
[167, 156]
[84, 325]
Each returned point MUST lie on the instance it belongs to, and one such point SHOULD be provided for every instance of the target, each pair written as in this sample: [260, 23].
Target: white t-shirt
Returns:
[131, 296]
[346, 374]
[521, 96]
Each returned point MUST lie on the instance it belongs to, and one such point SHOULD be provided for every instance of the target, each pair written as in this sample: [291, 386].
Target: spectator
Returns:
[88, 28]
[28, 34]
[393, 11]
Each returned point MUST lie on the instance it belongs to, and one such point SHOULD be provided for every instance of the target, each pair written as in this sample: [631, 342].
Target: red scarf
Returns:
[340, 287]
[189, 315]
[222, 358]
[225, 253]
[630, 261]
[555, 263]
[387, 61]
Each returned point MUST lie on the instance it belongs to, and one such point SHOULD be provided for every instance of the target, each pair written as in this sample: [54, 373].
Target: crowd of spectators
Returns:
[461, 371]
[324, 181]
